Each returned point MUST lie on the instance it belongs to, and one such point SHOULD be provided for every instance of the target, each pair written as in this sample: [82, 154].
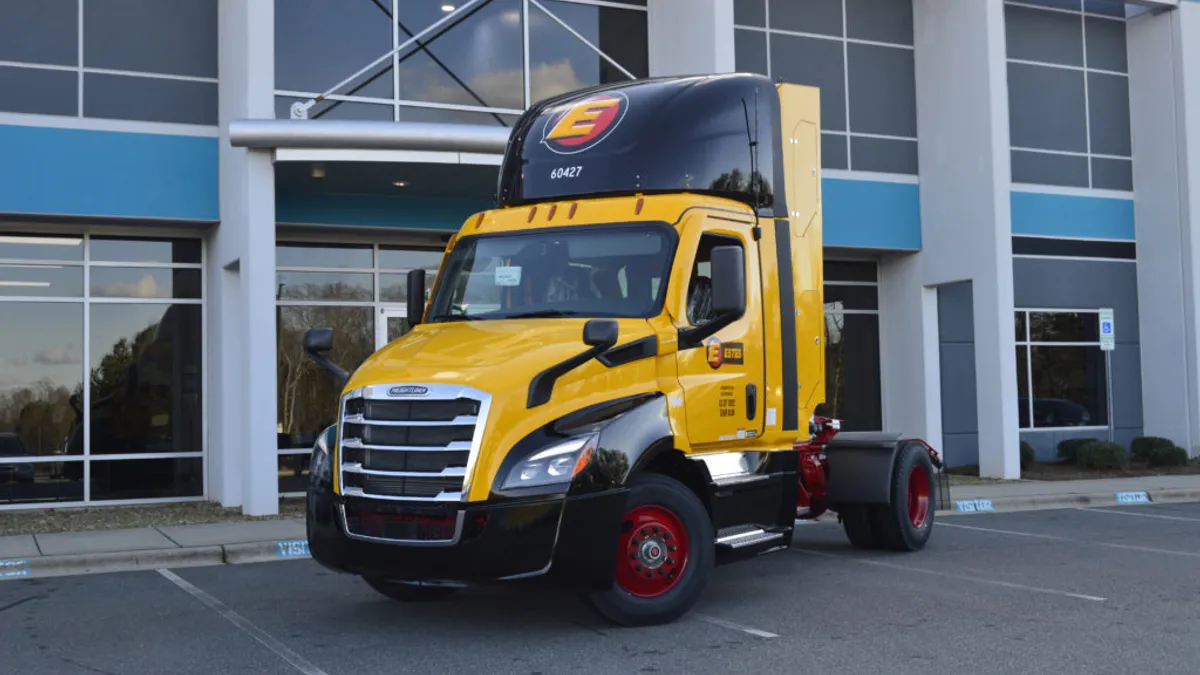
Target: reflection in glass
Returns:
[41, 281]
[350, 286]
[147, 478]
[41, 378]
[144, 282]
[331, 109]
[1068, 387]
[141, 250]
[406, 259]
[394, 287]
[474, 59]
[145, 378]
[560, 62]
[293, 473]
[319, 43]
[324, 255]
[1063, 327]
[1023, 386]
[1020, 322]
[33, 482]
[38, 247]
[853, 297]
[307, 393]
[852, 371]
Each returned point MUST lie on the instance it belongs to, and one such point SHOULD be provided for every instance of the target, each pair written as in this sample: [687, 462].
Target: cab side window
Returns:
[699, 297]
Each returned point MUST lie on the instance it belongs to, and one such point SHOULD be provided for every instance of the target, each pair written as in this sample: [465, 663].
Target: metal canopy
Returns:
[368, 135]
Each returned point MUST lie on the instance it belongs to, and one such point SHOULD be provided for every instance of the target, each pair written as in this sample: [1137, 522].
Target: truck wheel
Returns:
[665, 554]
[859, 523]
[906, 523]
[410, 591]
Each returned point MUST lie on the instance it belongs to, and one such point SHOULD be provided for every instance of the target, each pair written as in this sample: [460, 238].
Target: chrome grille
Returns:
[410, 442]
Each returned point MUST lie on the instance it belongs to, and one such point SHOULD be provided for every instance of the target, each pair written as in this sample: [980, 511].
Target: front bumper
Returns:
[567, 540]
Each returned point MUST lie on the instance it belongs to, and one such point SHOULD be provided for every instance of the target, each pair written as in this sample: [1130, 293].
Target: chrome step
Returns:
[741, 536]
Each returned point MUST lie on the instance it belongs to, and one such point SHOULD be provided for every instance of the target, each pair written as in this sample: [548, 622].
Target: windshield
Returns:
[589, 271]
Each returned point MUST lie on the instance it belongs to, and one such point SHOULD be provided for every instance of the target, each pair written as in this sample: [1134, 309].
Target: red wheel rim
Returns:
[652, 551]
[918, 496]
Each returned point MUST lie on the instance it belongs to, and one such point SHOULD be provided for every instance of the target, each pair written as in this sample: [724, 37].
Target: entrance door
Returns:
[391, 324]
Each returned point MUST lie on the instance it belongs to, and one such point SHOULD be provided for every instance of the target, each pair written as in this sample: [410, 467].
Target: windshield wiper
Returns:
[541, 313]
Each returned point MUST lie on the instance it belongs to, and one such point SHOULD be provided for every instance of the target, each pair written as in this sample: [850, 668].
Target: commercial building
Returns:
[186, 186]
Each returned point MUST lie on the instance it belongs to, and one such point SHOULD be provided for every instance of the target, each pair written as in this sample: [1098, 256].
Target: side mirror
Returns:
[416, 296]
[319, 341]
[728, 281]
[600, 333]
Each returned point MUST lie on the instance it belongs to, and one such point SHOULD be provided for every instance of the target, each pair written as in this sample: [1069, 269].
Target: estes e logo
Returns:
[584, 124]
[718, 353]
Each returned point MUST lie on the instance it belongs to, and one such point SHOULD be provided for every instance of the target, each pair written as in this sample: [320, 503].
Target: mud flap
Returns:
[860, 467]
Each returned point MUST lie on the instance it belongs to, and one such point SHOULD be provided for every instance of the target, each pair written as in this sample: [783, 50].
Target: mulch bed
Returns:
[45, 521]
[1066, 471]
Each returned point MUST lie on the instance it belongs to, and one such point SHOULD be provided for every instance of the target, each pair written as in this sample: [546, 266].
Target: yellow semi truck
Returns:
[612, 384]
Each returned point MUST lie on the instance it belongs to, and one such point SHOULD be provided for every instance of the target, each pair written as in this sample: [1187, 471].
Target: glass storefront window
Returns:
[853, 385]
[1061, 375]
[470, 68]
[344, 287]
[112, 370]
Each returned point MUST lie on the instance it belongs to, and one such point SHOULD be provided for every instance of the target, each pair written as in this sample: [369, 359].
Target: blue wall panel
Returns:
[1035, 213]
[376, 210]
[871, 214]
[79, 172]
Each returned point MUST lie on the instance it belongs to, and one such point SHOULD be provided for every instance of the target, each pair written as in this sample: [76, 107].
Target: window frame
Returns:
[1027, 344]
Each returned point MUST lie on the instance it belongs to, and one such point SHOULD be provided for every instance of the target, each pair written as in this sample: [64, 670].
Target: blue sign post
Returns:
[1108, 342]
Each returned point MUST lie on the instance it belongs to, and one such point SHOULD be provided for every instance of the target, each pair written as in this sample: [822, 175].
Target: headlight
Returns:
[320, 465]
[553, 464]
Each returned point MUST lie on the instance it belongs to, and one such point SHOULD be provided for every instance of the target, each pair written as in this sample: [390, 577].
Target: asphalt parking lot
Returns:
[1096, 591]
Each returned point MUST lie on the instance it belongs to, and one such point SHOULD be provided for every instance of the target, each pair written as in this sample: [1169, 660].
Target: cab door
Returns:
[723, 376]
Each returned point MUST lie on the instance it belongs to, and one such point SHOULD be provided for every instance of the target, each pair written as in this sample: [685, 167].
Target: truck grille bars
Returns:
[410, 442]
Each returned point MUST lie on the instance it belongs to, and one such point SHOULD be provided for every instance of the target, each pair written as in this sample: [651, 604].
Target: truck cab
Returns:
[612, 383]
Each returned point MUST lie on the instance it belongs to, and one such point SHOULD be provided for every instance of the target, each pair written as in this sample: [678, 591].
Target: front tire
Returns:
[665, 555]
[410, 591]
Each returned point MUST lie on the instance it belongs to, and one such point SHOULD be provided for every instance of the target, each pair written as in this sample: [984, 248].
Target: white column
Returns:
[962, 112]
[1164, 94]
[911, 373]
[690, 37]
[241, 319]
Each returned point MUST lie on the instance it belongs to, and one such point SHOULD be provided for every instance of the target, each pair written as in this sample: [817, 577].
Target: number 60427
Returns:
[565, 172]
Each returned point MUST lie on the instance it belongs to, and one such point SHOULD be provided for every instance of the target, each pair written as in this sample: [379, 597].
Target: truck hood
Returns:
[500, 352]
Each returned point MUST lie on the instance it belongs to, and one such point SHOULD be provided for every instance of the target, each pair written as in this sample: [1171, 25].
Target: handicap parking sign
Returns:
[1108, 338]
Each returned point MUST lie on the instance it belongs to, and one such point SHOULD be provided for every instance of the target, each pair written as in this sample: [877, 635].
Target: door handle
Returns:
[751, 401]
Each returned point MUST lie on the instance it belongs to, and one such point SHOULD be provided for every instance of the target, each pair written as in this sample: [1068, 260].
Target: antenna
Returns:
[752, 141]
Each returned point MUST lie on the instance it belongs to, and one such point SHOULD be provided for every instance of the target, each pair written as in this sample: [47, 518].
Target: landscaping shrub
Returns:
[1068, 449]
[1167, 455]
[1144, 446]
[1102, 455]
[1028, 455]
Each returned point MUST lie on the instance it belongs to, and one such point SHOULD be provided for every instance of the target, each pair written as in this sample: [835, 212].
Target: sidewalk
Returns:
[70, 553]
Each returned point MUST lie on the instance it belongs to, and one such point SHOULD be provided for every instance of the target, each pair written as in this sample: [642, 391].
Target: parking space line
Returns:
[241, 622]
[1108, 544]
[1137, 515]
[960, 577]
[734, 626]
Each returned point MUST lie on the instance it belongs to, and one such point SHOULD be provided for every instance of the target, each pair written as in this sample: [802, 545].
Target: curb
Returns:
[1046, 502]
[132, 561]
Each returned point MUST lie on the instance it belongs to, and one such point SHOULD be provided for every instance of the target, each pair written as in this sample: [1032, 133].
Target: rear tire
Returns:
[665, 554]
[858, 521]
[412, 591]
[906, 523]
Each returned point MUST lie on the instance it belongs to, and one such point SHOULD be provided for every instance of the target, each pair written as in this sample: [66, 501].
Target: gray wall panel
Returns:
[750, 12]
[882, 90]
[814, 62]
[956, 336]
[1112, 174]
[883, 155]
[1048, 37]
[176, 37]
[821, 17]
[1046, 108]
[149, 99]
[1108, 104]
[833, 151]
[1106, 45]
[1046, 169]
[37, 91]
[750, 51]
[40, 31]
[888, 21]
